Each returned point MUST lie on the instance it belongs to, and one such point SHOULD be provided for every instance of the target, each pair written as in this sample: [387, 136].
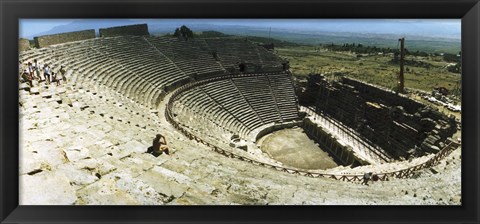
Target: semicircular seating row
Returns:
[145, 68]
[232, 51]
[242, 104]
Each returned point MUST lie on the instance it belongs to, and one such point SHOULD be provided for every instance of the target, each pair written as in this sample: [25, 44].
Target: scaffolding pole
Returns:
[401, 82]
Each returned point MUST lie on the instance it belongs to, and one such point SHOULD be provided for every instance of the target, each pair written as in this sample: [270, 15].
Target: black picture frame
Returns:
[11, 11]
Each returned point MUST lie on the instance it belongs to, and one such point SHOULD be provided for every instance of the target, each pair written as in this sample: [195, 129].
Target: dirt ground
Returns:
[294, 148]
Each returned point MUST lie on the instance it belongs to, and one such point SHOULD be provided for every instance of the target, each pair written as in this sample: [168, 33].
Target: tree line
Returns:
[365, 49]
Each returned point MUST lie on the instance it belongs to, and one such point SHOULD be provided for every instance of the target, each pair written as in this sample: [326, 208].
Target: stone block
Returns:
[76, 153]
[49, 152]
[60, 90]
[30, 161]
[80, 177]
[180, 178]
[137, 164]
[46, 188]
[34, 90]
[120, 189]
[134, 146]
[105, 192]
[46, 94]
[24, 86]
[104, 143]
[87, 164]
[163, 184]
[77, 104]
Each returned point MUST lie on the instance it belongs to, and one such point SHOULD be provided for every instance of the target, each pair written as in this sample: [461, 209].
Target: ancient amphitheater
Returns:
[220, 102]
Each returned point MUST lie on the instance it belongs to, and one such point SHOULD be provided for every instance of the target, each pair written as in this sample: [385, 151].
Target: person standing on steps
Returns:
[62, 73]
[36, 68]
[46, 73]
[366, 178]
[30, 71]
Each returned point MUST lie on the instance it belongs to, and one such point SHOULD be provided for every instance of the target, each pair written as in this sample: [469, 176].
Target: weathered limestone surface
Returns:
[46, 188]
[77, 155]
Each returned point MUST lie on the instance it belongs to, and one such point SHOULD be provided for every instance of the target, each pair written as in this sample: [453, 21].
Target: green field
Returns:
[423, 73]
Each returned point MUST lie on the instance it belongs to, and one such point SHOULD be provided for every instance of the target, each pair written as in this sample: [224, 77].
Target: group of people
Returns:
[32, 71]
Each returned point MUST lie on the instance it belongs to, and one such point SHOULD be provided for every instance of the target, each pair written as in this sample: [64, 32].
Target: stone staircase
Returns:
[71, 154]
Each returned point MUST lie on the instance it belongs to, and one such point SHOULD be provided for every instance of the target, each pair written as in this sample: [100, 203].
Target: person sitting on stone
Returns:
[55, 78]
[366, 178]
[375, 177]
[163, 145]
[158, 146]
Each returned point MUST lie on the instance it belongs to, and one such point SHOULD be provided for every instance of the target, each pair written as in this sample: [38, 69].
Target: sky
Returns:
[29, 27]
[448, 27]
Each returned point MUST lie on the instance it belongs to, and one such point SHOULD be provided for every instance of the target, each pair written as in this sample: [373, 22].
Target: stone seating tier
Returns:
[259, 95]
[145, 68]
[232, 51]
[240, 104]
[191, 56]
[202, 104]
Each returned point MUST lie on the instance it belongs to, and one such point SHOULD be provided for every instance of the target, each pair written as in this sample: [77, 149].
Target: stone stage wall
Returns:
[47, 40]
[134, 30]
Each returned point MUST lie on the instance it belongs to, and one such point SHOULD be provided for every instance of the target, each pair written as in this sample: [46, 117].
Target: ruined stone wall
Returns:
[400, 126]
[135, 30]
[47, 40]
[387, 97]
[23, 44]
[343, 154]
